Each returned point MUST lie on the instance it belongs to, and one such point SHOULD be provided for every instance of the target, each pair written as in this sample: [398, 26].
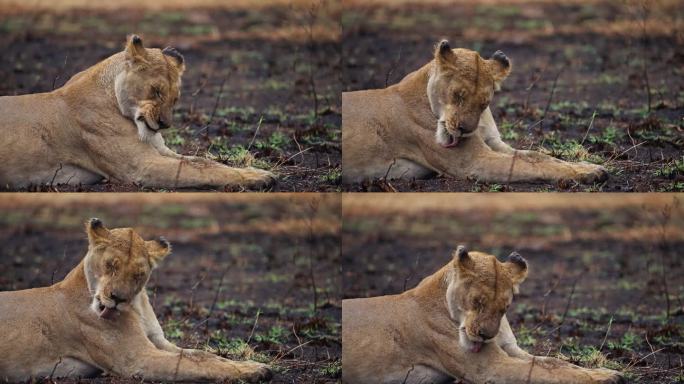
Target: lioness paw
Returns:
[591, 173]
[256, 372]
[259, 178]
[608, 376]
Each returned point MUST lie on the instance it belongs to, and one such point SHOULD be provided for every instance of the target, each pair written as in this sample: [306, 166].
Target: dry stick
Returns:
[644, 41]
[410, 276]
[313, 15]
[55, 175]
[255, 133]
[299, 341]
[59, 74]
[547, 293]
[195, 94]
[567, 308]
[666, 213]
[623, 152]
[391, 69]
[591, 123]
[55, 369]
[213, 111]
[313, 205]
[548, 102]
[610, 322]
[256, 319]
[529, 89]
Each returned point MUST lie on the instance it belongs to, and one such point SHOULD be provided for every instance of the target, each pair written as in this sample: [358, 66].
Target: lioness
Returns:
[451, 326]
[437, 119]
[105, 123]
[99, 318]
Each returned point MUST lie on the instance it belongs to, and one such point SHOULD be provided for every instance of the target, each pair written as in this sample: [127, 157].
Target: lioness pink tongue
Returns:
[452, 143]
[475, 348]
[107, 313]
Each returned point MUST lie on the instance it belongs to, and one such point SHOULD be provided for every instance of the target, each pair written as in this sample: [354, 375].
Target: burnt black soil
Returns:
[596, 288]
[247, 91]
[594, 53]
[237, 292]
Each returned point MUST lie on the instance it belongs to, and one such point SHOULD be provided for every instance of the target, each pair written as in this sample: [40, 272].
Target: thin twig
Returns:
[610, 322]
[256, 319]
[255, 133]
[213, 111]
[591, 123]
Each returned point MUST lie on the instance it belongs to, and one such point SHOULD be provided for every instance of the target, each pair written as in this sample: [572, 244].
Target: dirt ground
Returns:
[579, 89]
[606, 283]
[240, 281]
[261, 85]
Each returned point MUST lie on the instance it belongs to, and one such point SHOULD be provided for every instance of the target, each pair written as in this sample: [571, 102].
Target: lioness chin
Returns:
[105, 123]
[99, 319]
[437, 121]
[451, 326]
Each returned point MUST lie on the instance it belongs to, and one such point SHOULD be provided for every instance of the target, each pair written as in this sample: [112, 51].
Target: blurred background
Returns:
[249, 277]
[606, 277]
[261, 85]
[592, 80]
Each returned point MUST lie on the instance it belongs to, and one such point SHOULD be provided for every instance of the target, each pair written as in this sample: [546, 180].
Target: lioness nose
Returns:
[484, 335]
[116, 299]
[163, 124]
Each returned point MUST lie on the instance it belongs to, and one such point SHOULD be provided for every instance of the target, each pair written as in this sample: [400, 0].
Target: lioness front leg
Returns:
[166, 172]
[475, 159]
[506, 340]
[489, 132]
[157, 365]
[494, 366]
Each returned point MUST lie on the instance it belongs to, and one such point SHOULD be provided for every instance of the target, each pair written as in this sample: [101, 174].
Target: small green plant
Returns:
[172, 137]
[173, 329]
[277, 141]
[671, 170]
[508, 131]
[332, 176]
[275, 335]
[608, 137]
[569, 150]
[627, 343]
[332, 369]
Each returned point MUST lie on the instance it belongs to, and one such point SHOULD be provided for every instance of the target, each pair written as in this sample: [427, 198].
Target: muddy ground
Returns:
[582, 73]
[596, 291]
[248, 91]
[238, 283]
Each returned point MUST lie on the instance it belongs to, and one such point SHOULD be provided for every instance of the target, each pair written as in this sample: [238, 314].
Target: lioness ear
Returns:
[176, 57]
[461, 257]
[135, 52]
[97, 233]
[158, 250]
[443, 52]
[517, 269]
[500, 66]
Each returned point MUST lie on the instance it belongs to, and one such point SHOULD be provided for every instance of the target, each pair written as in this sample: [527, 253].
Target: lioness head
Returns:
[460, 88]
[479, 293]
[118, 265]
[149, 86]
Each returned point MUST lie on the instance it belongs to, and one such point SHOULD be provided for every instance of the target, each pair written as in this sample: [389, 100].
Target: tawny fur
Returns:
[104, 124]
[426, 334]
[437, 121]
[59, 331]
